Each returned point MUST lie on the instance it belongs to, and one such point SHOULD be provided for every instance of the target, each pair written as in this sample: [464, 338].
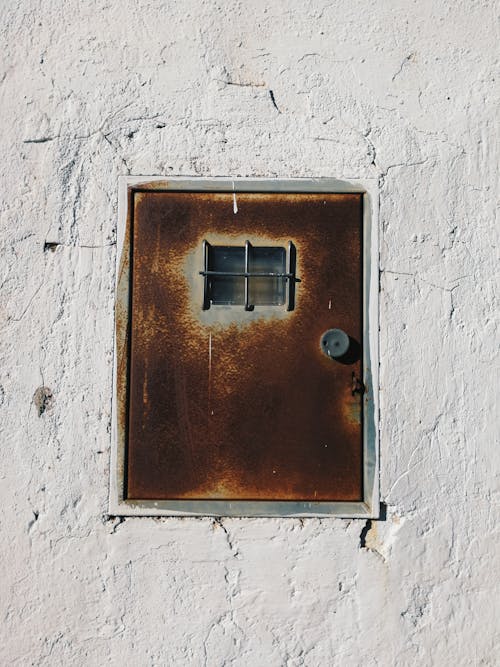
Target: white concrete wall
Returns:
[400, 90]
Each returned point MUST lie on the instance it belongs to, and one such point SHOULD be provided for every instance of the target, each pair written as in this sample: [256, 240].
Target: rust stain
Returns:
[229, 404]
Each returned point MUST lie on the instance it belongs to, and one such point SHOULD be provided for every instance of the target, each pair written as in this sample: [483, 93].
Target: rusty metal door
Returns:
[227, 392]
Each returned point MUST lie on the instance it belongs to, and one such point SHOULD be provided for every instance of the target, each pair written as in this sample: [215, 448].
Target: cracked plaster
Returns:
[404, 92]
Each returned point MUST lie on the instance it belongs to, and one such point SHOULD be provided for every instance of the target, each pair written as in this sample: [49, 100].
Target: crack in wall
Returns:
[217, 521]
[273, 101]
[53, 245]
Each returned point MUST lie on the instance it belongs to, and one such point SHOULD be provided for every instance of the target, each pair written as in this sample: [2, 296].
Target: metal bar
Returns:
[205, 273]
[291, 262]
[287, 281]
[248, 274]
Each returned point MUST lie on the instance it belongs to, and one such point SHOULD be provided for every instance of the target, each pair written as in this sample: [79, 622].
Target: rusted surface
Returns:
[227, 404]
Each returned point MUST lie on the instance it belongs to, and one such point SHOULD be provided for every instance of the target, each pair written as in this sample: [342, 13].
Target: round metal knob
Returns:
[334, 343]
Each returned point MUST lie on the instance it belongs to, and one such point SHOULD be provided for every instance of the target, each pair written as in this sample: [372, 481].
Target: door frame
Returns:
[369, 507]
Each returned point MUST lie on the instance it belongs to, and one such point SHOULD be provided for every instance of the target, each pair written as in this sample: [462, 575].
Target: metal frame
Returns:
[369, 507]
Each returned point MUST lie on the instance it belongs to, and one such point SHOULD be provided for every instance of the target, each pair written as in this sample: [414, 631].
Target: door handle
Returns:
[335, 343]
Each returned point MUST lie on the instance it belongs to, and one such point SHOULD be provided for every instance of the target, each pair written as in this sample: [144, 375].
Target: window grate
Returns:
[249, 276]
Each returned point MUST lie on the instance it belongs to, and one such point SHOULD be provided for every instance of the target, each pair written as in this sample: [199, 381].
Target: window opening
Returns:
[249, 275]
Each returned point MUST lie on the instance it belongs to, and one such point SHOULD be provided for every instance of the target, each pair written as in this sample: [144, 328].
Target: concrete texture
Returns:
[402, 91]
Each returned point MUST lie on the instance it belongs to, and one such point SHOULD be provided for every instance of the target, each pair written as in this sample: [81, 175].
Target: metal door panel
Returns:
[242, 405]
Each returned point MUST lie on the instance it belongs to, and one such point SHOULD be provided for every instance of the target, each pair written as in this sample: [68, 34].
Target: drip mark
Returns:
[235, 205]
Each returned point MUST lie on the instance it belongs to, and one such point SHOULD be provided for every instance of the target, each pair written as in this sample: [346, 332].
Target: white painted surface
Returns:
[401, 91]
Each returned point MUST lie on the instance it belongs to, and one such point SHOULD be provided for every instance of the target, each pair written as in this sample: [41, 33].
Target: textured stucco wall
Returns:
[402, 91]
